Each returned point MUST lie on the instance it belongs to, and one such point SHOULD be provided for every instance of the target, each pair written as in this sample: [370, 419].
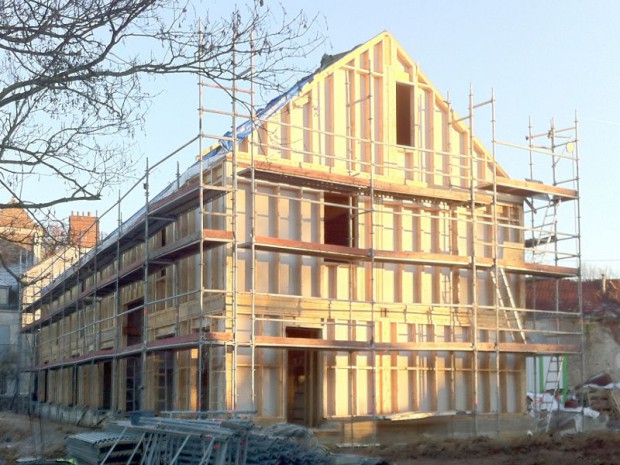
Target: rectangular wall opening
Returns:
[165, 380]
[339, 223]
[133, 377]
[135, 321]
[303, 403]
[203, 379]
[404, 114]
[74, 386]
[44, 379]
[106, 401]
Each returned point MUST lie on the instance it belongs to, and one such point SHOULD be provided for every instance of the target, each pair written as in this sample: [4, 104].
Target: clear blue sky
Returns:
[543, 58]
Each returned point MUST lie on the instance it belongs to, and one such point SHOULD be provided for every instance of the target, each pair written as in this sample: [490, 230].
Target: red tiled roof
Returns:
[540, 294]
[17, 226]
[16, 218]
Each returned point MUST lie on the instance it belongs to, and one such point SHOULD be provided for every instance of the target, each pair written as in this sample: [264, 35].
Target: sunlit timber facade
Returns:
[351, 252]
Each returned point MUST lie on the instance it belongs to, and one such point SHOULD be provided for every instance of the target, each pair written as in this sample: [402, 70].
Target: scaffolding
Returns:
[320, 262]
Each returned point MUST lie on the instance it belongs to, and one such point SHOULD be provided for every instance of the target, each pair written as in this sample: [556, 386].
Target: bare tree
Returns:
[70, 82]
[71, 95]
[594, 272]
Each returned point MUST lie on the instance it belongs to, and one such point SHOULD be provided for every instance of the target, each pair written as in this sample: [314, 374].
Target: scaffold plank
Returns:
[529, 189]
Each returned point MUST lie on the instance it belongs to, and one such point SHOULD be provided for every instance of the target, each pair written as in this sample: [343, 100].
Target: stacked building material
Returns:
[93, 448]
[295, 445]
[158, 441]
[265, 449]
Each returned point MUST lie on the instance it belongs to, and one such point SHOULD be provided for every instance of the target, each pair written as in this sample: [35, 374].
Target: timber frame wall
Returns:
[358, 255]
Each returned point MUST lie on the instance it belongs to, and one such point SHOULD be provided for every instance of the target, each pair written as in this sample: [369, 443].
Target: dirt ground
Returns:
[22, 436]
[600, 448]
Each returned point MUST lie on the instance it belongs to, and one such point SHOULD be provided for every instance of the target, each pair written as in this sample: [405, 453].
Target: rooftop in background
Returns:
[601, 297]
[17, 227]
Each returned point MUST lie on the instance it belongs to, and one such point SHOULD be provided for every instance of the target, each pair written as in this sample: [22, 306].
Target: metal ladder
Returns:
[544, 234]
[217, 366]
[503, 287]
[553, 379]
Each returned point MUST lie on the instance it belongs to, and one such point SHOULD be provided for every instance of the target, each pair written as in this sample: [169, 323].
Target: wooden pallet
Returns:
[605, 401]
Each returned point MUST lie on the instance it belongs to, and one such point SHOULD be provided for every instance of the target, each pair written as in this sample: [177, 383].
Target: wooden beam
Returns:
[421, 258]
[538, 269]
[530, 189]
[549, 349]
[337, 252]
[355, 185]
[177, 342]
[339, 345]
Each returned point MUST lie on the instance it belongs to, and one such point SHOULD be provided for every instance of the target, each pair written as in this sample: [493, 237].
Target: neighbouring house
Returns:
[26, 252]
[19, 247]
[350, 256]
[62, 248]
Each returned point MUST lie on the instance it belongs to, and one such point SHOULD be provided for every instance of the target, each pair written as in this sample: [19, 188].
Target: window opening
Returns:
[404, 114]
[135, 321]
[338, 227]
[4, 295]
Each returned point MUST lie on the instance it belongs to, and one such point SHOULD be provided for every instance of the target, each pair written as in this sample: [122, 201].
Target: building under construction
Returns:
[349, 255]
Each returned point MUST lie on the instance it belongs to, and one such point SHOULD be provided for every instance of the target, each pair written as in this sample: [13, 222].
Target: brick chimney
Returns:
[83, 230]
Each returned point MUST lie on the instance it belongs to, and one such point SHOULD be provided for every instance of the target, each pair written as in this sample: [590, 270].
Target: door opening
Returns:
[133, 376]
[135, 322]
[106, 401]
[303, 402]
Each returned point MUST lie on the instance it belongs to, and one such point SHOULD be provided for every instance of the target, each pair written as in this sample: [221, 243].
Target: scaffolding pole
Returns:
[200, 395]
[252, 194]
[496, 271]
[473, 166]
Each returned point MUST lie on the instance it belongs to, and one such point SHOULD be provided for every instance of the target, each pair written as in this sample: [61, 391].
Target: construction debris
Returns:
[151, 440]
[596, 401]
